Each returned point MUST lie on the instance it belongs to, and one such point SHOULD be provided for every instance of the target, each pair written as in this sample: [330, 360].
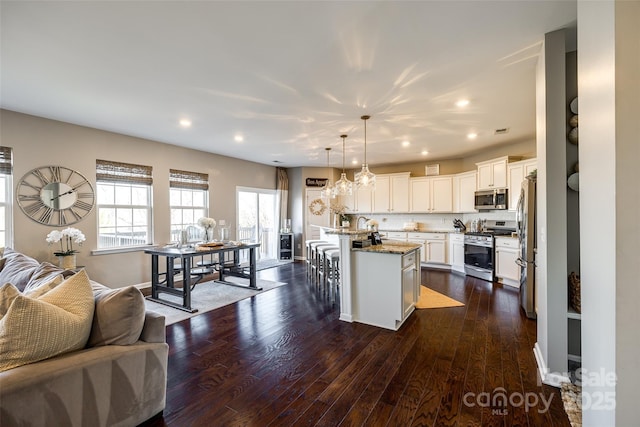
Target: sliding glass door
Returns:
[257, 219]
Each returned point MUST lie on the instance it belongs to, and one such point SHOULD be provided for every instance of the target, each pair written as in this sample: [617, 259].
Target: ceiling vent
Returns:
[431, 170]
[501, 131]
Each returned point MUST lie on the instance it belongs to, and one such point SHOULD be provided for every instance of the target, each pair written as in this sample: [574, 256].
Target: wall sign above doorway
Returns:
[316, 182]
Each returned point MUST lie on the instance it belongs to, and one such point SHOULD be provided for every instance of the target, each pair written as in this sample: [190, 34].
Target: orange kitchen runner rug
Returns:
[432, 299]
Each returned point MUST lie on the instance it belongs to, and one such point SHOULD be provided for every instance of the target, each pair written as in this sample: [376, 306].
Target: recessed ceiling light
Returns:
[354, 161]
[238, 138]
[185, 123]
[406, 143]
[472, 135]
[424, 152]
[462, 103]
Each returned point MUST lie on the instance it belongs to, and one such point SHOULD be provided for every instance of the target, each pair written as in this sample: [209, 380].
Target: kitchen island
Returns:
[380, 284]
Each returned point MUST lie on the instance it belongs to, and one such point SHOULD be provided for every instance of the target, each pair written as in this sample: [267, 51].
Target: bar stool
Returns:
[311, 255]
[316, 260]
[321, 250]
[308, 258]
[332, 275]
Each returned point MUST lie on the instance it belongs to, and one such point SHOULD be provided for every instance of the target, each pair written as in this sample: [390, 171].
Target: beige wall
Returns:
[524, 149]
[38, 142]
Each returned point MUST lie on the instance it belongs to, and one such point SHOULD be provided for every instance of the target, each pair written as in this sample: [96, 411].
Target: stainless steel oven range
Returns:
[479, 248]
[478, 255]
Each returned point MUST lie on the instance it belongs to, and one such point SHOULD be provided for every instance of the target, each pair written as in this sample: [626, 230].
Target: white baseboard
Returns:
[346, 317]
[436, 266]
[553, 379]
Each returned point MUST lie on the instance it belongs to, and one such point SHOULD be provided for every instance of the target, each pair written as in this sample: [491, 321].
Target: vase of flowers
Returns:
[208, 224]
[67, 237]
[340, 217]
[371, 224]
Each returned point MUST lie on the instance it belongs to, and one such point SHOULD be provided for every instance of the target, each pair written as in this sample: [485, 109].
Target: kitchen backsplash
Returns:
[436, 222]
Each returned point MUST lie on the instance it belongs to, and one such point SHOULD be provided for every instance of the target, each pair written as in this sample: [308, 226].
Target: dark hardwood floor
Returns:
[282, 358]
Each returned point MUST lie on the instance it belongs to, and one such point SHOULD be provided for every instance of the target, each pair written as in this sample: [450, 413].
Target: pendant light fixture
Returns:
[364, 178]
[327, 191]
[343, 186]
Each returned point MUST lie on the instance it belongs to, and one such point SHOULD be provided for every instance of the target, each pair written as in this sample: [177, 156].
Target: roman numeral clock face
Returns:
[55, 195]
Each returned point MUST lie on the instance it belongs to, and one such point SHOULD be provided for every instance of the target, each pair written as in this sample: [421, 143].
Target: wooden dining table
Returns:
[164, 281]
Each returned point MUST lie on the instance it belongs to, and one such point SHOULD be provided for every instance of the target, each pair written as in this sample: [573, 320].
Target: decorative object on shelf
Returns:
[67, 237]
[573, 106]
[343, 186]
[317, 207]
[55, 195]
[574, 292]
[365, 178]
[208, 224]
[327, 191]
[573, 136]
[573, 121]
[574, 181]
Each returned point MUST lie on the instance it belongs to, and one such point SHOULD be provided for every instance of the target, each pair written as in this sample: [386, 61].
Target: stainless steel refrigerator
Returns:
[526, 223]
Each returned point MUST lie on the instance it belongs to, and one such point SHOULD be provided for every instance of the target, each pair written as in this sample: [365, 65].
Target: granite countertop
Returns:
[399, 230]
[390, 247]
[345, 231]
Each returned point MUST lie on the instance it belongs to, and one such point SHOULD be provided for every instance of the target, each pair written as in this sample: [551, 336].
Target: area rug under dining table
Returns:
[207, 296]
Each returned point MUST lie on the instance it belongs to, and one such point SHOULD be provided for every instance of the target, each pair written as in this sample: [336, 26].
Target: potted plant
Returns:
[67, 237]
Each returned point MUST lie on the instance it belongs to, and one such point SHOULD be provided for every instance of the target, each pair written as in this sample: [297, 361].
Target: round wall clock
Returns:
[55, 195]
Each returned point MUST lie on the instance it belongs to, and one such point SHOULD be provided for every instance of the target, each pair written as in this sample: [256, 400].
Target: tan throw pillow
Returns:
[57, 322]
[118, 317]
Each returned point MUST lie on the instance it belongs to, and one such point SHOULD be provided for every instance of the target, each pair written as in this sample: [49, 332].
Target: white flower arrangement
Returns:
[372, 224]
[67, 238]
[208, 224]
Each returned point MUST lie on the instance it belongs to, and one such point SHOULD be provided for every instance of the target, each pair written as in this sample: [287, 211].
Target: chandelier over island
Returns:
[343, 186]
[365, 178]
[328, 191]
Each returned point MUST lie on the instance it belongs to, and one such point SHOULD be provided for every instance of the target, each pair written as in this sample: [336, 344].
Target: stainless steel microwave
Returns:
[491, 199]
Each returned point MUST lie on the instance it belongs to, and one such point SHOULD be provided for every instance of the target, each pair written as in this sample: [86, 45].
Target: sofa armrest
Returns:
[154, 328]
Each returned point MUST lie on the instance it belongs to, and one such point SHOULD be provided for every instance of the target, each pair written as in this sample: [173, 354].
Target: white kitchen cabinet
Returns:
[410, 283]
[516, 173]
[493, 173]
[363, 197]
[399, 192]
[436, 248]
[382, 194]
[464, 188]
[456, 252]
[397, 235]
[507, 251]
[359, 202]
[420, 194]
[385, 287]
[419, 239]
[431, 194]
[391, 193]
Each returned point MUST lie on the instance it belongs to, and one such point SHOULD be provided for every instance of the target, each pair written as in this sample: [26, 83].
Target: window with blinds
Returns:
[188, 199]
[6, 196]
[124, 204]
